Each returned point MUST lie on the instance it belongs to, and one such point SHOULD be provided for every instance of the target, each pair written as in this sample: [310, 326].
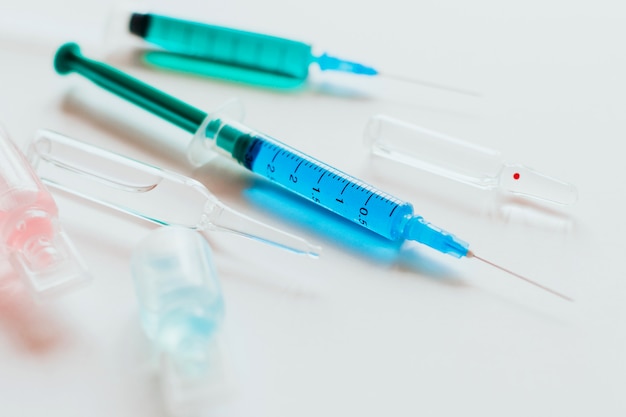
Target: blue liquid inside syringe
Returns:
[330, 188]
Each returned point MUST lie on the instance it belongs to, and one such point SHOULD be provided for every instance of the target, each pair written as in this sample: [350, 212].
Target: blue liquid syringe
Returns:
[314, 180]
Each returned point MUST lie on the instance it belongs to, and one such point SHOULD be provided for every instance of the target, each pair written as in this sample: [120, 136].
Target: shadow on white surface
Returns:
[32, 327]
[115, 121]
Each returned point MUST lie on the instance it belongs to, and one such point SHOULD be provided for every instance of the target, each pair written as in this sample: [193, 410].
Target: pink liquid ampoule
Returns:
[31, 237]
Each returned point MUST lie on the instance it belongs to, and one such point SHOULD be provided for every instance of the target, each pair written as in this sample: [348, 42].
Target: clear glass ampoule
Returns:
[461, 161]
[145, 191]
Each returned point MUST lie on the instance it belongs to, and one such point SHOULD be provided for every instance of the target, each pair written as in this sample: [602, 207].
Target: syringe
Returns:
[312, 179]
[251, 50]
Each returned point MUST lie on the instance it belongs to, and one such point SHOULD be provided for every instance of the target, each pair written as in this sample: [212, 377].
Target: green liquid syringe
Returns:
[248, 50]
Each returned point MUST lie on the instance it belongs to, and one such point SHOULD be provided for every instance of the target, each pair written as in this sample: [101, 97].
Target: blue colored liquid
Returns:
[330, 188]
[327, 186]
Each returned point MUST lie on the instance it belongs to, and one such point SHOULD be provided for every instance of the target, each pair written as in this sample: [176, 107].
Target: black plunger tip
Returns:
[64, 57]
[139, 23]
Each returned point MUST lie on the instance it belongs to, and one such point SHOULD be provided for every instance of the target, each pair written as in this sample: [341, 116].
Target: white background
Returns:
[365, 333]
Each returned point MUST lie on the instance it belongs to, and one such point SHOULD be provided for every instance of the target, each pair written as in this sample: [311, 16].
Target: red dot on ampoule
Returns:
[516, 176]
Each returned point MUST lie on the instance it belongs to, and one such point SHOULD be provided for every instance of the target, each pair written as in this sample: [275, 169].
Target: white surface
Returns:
[351, 334]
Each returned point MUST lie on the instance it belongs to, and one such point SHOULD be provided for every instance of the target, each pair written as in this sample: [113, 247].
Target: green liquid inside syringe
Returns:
[233, 47]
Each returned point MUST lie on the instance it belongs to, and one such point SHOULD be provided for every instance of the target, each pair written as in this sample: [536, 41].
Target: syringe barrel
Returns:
[225, 45]
[312, 179]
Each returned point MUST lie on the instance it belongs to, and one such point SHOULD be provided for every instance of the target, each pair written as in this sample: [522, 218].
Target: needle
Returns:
[471, 254]
[429, 84]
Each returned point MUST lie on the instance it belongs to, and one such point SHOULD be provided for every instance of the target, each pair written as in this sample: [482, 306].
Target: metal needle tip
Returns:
[471, 254]
[429, 84]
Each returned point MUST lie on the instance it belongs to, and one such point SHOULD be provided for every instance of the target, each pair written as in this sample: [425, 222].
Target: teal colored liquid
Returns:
[230, 46]
[203, 67]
